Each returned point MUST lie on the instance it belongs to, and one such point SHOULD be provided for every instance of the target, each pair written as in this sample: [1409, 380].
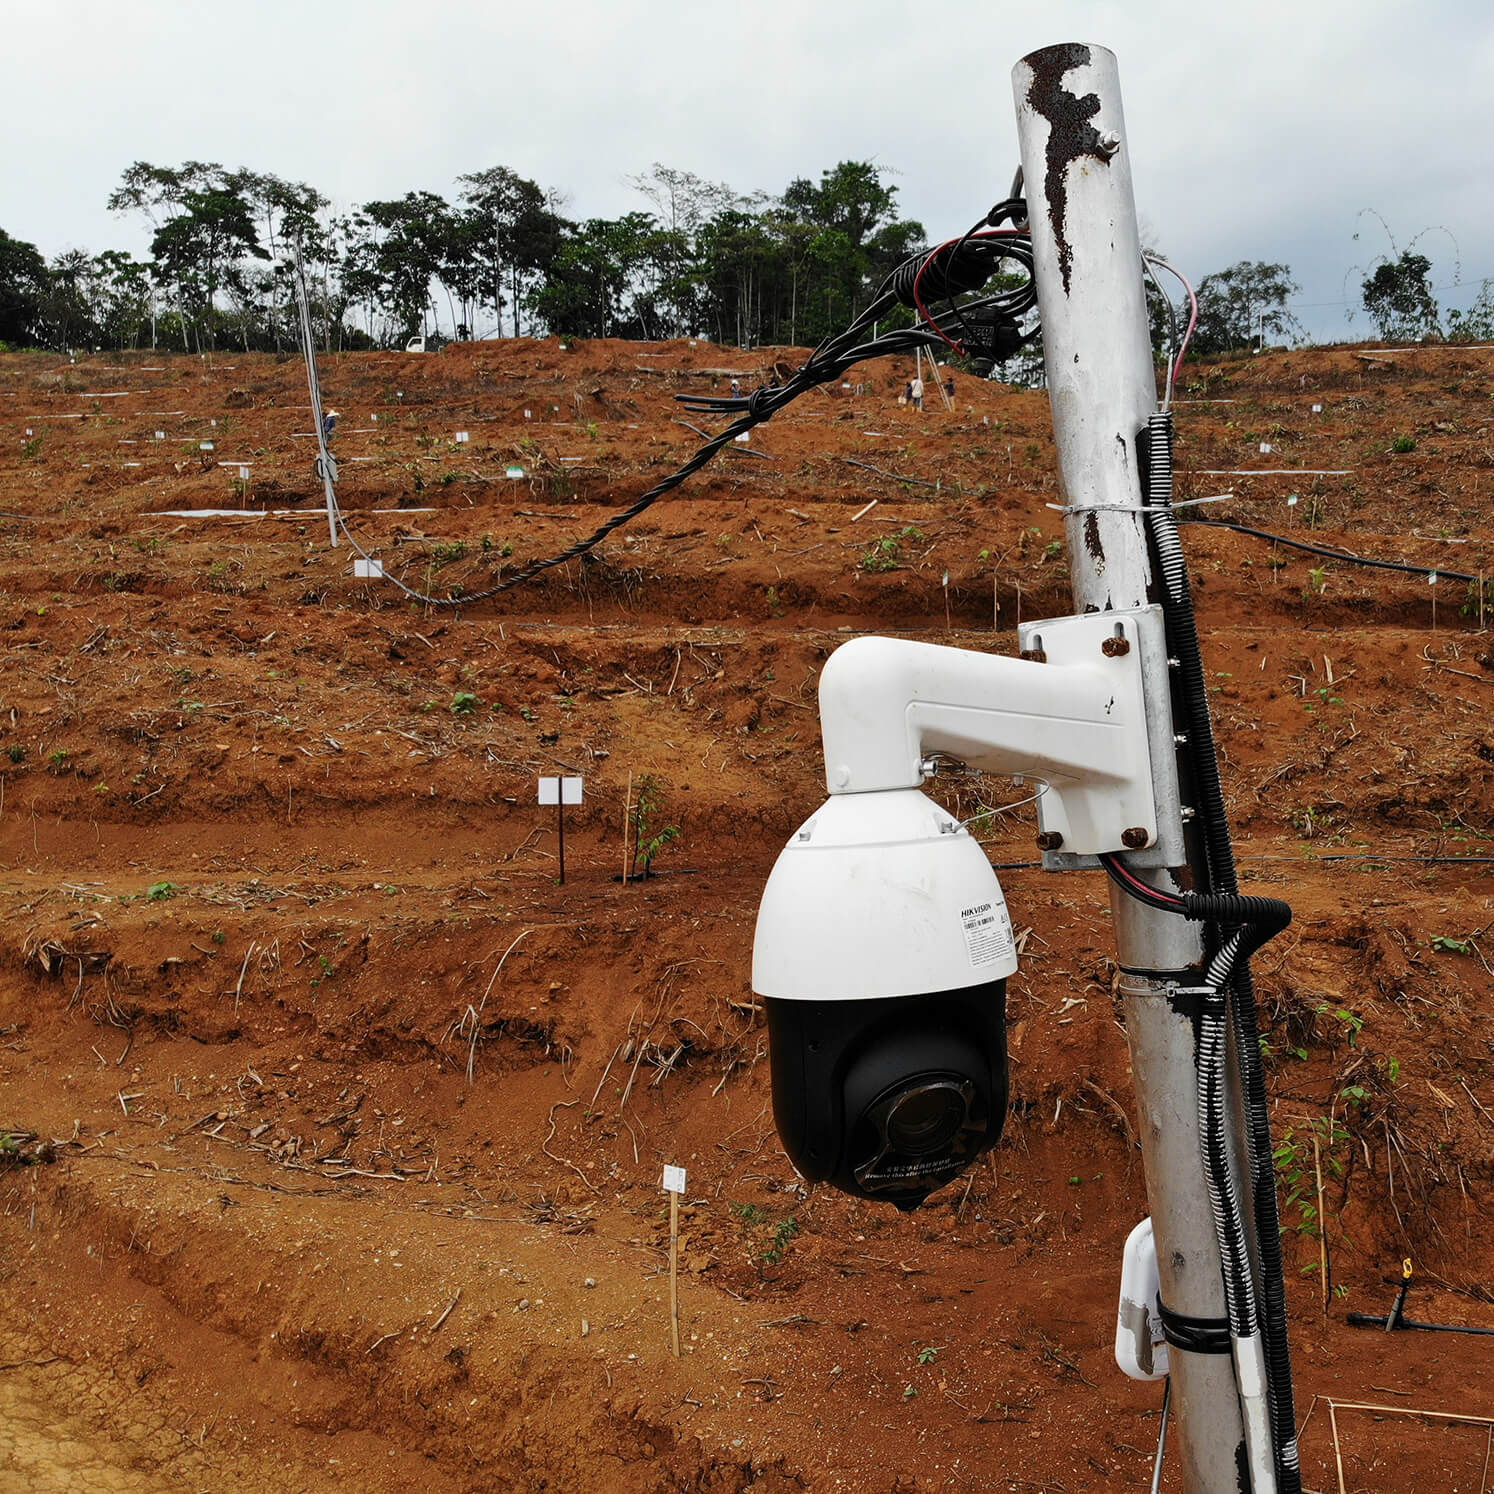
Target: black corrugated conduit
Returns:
[1242, 925]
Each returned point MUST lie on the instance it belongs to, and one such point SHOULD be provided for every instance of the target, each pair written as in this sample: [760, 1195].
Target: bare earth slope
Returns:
[346, 1121]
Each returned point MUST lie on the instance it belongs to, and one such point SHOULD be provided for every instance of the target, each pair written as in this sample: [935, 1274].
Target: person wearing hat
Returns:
[329, 424]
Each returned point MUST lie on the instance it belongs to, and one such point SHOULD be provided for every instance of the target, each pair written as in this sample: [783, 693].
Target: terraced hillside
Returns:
[346, 1119]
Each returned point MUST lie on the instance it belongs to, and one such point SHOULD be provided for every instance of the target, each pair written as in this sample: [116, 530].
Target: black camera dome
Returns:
[890, 1099]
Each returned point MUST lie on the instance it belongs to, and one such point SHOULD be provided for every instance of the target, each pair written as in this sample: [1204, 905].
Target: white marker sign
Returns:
[560, 790]
[462, 438]
[674, 1178]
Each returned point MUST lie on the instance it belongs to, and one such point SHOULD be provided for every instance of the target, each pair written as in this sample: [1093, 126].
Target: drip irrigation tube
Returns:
[1332, 554]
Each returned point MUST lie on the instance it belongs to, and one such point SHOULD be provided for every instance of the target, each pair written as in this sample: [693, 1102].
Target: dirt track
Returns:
[356, 1118]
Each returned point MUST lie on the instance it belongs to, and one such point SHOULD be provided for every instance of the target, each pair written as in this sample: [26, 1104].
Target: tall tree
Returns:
[23, 283]
[685, 204]
[124, 299]
[416, 231]
[851, 206]
[203, 226]
[290, 215]
[1399, 299]
[68, 301]
[515, 235]
[602, 281]
[199, 247]
[1246, 301]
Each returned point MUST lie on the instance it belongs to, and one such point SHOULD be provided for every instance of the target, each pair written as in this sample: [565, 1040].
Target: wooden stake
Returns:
[627, 814]
[674, 1271]
[1337, 1453]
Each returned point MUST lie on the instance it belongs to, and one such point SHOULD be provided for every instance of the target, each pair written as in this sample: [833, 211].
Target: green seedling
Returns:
[1450, 945]
[885, 554]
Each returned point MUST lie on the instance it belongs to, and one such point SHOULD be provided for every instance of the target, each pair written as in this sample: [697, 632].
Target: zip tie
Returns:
[1099, 508]
[1131, 508]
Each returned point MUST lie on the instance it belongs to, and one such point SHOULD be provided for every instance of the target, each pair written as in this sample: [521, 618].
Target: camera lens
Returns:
[925, 1119]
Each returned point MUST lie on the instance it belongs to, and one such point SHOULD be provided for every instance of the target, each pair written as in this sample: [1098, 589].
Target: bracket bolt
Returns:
[1049, 840]
[1110, 142]
[1116, 648]
[1134, 838]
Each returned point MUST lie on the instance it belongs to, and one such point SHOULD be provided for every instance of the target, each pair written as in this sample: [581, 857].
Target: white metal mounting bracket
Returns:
[1078, 721]
[1073, 640]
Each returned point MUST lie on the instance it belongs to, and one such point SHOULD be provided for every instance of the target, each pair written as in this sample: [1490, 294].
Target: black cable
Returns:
[959, 268]
[1330, 553]
[1219, 868]
[827, 363]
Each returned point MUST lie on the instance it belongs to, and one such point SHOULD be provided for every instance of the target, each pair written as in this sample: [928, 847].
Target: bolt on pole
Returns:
[1102, 388]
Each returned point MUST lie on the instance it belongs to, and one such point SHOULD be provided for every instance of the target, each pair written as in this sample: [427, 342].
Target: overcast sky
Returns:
[1257, 131]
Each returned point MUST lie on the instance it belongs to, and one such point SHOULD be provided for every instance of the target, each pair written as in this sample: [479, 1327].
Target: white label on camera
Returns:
[988, 933]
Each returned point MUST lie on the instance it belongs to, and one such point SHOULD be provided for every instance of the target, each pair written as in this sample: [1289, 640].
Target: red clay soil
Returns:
[338, 1124]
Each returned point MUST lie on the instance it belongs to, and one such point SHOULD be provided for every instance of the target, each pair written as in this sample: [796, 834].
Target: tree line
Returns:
[501, 257]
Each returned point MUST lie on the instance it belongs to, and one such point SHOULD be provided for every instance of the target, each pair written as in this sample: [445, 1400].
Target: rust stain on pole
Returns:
[1071, 133]
[1093, 544]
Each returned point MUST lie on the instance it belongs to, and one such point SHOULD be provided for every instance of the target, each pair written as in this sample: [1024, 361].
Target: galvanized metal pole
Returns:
[1102, 387]
[326, 463]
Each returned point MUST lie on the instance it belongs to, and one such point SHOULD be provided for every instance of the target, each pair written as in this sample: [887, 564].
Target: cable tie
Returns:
[1100, 508]
[1132, 508]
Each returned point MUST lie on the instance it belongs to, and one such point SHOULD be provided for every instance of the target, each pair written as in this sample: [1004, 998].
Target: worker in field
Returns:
[915, 391]
[329, 424]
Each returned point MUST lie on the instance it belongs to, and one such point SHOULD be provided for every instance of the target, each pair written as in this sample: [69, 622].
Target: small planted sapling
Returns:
[649, 838]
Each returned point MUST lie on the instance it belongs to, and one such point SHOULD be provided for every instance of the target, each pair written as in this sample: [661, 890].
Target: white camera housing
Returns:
[883, 942]
[880, 894]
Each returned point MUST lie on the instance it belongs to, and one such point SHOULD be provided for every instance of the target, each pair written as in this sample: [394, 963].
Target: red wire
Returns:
[923, 311]
[1133, 880]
